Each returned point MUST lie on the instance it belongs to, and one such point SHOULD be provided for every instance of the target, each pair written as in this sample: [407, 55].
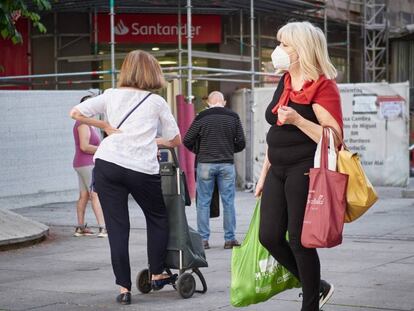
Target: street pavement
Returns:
[372, 270]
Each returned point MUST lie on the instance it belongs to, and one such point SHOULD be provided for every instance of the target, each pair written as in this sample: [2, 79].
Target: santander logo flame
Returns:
[120, 28]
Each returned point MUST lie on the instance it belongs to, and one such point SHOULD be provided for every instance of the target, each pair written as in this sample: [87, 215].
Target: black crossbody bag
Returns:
[129, 113]
[133, 109]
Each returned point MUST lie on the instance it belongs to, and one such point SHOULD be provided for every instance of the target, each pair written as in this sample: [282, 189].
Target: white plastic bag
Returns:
[332, 155]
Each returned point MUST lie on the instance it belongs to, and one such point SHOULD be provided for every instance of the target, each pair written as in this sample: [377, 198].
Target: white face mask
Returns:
[280, 59]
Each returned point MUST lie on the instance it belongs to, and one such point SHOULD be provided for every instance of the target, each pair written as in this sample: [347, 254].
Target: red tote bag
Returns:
[325, 209]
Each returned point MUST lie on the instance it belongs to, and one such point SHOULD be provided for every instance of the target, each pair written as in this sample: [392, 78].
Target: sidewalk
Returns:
[372, 270]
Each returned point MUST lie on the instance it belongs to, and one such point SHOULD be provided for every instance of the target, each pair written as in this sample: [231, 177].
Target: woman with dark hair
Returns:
[126, 162]
[86, 143]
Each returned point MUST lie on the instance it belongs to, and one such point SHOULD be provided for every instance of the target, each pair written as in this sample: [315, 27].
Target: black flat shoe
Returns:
[159, 284]
[124, 298]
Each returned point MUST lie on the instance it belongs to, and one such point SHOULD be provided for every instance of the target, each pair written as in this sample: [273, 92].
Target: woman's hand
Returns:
[161, 141]
[288, 115]
[109, 130]
[259, 187]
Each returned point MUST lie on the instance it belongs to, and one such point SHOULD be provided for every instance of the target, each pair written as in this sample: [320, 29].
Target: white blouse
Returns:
[135, 147]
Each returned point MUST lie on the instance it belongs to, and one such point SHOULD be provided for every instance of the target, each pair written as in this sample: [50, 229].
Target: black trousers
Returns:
[113, 184]
[282, 209]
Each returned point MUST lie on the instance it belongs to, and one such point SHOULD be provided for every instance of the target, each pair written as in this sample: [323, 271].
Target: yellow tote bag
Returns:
[360, 194]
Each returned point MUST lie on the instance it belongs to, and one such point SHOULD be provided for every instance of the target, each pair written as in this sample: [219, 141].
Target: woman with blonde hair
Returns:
[306, 99]
[126, 162]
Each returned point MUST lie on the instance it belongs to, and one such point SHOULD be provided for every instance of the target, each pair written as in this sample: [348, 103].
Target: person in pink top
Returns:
[86, 143]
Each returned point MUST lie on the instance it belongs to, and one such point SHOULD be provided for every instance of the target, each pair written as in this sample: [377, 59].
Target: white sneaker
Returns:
[326, 293]
[102, 233]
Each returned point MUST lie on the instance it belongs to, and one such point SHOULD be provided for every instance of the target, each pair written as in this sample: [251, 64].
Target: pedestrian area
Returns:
[372, 270]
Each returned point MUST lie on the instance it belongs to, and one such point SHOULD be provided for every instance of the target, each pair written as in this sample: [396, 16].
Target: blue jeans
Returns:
[207, 174]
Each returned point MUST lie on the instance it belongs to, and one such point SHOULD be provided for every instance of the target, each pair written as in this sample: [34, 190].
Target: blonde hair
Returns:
[142, 71]
[310, 43]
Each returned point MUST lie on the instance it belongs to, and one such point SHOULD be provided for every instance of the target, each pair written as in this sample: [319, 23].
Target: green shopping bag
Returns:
[255, 275]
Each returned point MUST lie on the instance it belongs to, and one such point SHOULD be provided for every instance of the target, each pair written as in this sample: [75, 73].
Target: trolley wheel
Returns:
[186, 285]
[143, 281]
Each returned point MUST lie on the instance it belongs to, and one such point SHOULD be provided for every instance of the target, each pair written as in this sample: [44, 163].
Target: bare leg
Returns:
[81, 207]
[160, 276]
[97, 209]
[123, 290]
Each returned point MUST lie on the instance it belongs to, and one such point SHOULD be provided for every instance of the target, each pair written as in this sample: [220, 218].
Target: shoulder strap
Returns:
[129, 113]
[339, 137]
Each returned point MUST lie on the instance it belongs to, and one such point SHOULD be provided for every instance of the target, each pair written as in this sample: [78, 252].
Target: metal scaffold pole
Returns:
[252, 46]
[325, 22]
[376, 40]
[249, 153]
[55, 47]
[348, 43]
[112, 17]
[180, 51]
[241, 32]
[189, 55]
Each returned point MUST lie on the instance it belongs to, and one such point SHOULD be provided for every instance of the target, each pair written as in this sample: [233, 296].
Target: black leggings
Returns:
[282, 209]
[113, 184]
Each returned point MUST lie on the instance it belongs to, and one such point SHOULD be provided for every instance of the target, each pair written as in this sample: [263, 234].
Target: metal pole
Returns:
[259, 43]
[241, 32]
[95, 31]
[364, 57]
[348, 43]
[180, 50]
[387, 47]
[52, 75]
[252, 43]
[55, 47]
[242, 72]
[112, 43]
[325, 22]
[249, 155]
[103, 72]
[348, 53]
[29, 49]
[189, 55]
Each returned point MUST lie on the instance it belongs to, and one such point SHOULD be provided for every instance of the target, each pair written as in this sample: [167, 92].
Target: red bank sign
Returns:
[159, 28]
[14, 57]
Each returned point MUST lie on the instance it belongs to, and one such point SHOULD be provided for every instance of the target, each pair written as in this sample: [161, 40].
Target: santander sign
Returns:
[159, 28]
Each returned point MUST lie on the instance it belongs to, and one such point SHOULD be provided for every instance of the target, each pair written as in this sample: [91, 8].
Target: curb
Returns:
[407, 193]
[16, 229]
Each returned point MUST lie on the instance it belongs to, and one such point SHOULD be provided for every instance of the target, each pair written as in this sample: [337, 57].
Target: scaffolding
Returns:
[185, 72]
[373, 22]
[375, 41]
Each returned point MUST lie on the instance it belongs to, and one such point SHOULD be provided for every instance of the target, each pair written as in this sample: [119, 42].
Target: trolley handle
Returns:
[173, 154]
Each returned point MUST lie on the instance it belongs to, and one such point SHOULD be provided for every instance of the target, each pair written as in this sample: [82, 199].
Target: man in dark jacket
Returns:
[215, 135]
